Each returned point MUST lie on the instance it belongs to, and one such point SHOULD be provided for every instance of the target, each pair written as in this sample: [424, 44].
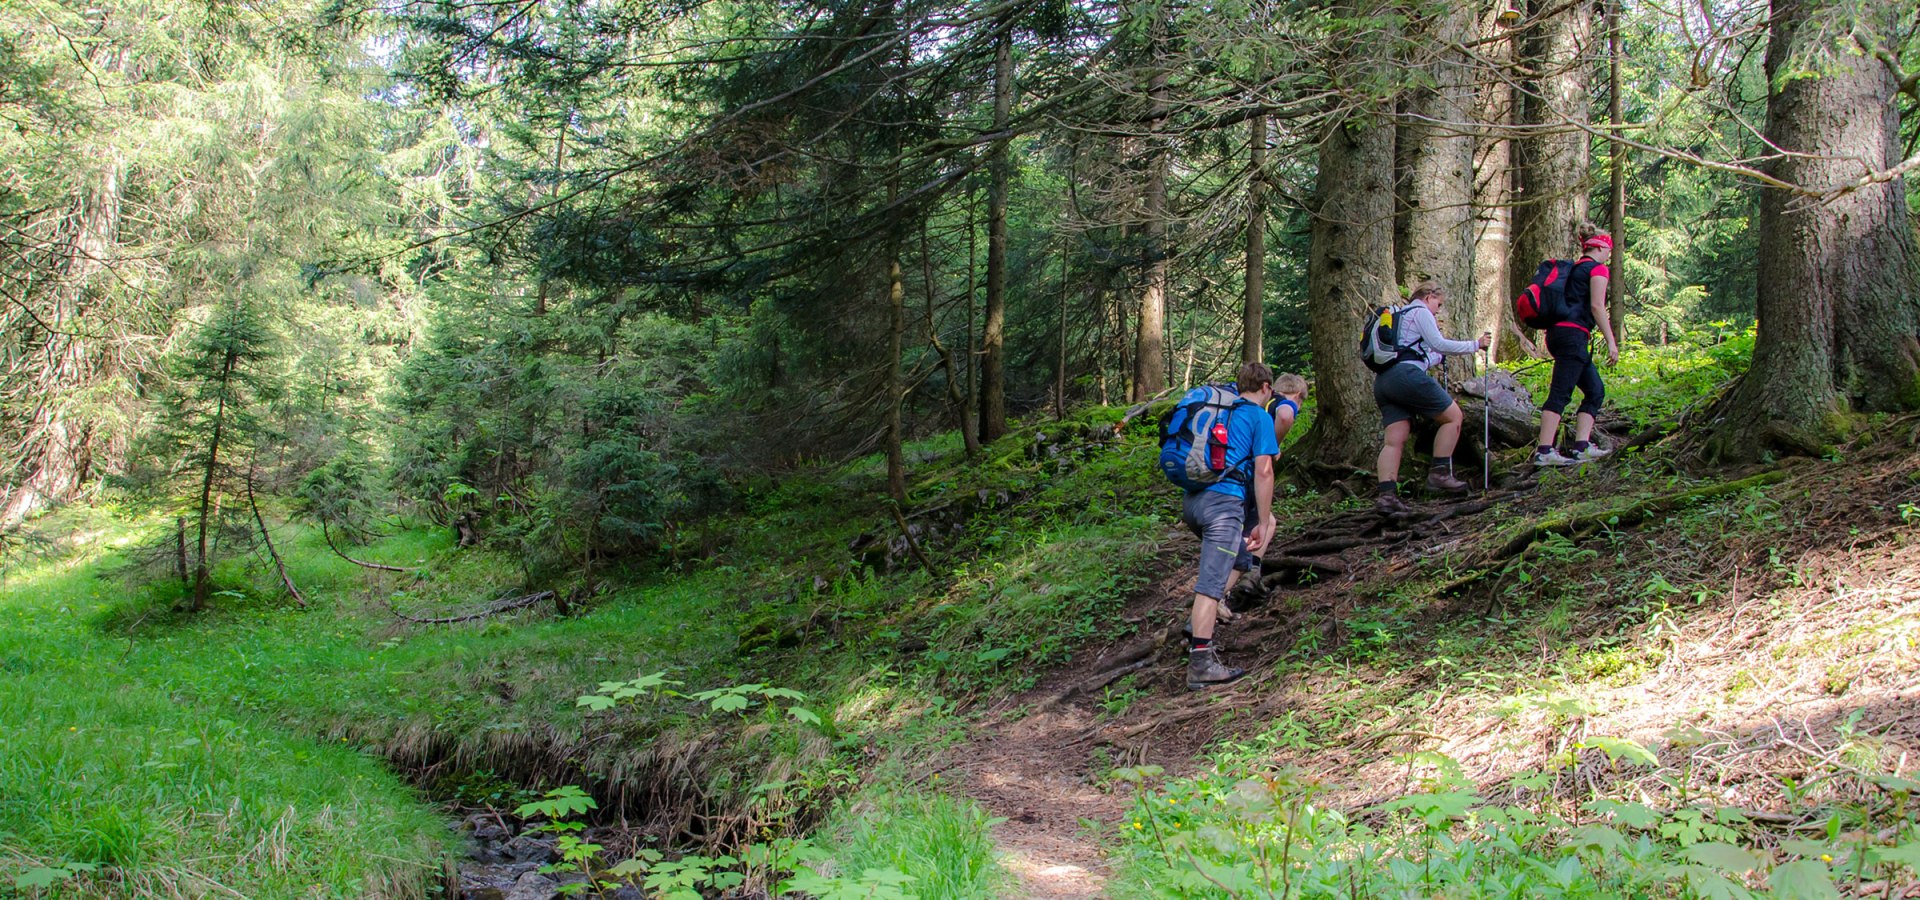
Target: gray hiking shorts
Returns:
[1216, 518]
[1406, 391]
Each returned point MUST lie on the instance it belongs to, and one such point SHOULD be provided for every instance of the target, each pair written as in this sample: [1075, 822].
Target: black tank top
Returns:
[1580, 293]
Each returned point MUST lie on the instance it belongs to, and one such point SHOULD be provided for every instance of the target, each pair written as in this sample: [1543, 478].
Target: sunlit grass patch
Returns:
[943, 842]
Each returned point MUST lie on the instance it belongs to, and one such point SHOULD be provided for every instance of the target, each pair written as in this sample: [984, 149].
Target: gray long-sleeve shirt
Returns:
[1419, 330]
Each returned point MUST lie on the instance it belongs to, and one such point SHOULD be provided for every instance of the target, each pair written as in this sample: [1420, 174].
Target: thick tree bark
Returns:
[1437, 147]
[993, 379]
[1253, 313]
[1150, 351]
[1554, 174]
[1493, 199]
[1839, 299]
[1349, 272]
[1619, 157]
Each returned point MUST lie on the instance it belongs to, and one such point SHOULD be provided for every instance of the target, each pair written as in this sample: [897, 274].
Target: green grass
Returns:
[100, 765]
[943, 842]
[240, 746]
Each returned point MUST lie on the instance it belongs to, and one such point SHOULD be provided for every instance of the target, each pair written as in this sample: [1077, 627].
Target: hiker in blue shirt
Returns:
[1216, 514]
[1289, 391]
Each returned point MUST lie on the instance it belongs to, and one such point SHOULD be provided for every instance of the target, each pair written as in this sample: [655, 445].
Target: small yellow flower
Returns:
[73, 728]
[1136, 824]
[1826, 858]
[1173, 799]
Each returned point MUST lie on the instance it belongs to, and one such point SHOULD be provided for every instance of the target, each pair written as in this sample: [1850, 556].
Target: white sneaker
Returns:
[1592, 452]
[1551, 457]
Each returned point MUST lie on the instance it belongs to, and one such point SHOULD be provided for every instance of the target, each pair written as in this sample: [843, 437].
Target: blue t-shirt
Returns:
[1249, 434]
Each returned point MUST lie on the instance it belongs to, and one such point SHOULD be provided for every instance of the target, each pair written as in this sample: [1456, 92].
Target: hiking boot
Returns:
[1205, 670]
[1588, 454]
[1445, 483]
[1391, 505]
[1551, 458]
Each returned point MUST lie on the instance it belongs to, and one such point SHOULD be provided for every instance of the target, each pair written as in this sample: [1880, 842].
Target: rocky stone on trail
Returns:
[487, 829]
[534, 886]
[527, 848]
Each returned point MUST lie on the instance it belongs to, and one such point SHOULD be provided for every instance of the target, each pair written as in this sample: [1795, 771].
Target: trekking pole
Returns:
[1486, 419]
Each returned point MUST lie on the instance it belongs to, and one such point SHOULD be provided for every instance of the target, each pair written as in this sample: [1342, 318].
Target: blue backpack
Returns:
[1194, 435]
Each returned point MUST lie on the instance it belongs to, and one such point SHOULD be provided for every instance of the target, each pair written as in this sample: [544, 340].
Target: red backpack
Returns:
[1543, 303]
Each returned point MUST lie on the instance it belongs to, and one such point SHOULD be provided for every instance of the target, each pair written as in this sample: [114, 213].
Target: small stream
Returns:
[506, 861]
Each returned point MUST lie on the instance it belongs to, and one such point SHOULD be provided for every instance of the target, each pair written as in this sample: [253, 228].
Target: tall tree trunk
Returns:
[1439, 154]
[1554, 175]
[993, 380]
[896, 381]
[1150, 350]
[1253, 314]
[1839, 302]
[1349, 272]
[1493, 194]
[1619, 157]
[55, 446]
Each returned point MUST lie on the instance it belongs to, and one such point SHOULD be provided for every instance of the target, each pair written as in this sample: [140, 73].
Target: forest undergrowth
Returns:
[1713, 700]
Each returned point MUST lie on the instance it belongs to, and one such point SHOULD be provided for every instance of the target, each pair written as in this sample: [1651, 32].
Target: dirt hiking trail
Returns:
[1035, 759]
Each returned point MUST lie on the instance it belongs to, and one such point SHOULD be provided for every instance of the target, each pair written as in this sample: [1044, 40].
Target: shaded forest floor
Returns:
[1731, 652]
[1751, 631]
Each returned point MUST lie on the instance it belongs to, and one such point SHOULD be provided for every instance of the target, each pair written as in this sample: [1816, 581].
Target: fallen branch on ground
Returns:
[268, 537]
[494, 610]
[362, 563]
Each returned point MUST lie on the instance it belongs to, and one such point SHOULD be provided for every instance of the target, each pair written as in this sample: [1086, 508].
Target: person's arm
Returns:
[1421, 318]
[1282, 423]
[1597, 287]
[1263, 501]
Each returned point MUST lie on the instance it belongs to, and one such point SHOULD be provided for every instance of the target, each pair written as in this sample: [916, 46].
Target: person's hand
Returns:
[1261, 534]
[1486, 339]
[1613, 354]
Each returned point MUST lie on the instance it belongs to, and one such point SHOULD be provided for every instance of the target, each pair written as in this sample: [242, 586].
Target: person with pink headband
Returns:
[1569, 343]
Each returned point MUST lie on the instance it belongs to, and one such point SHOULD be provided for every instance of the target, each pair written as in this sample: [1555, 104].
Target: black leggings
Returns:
[1573, 367]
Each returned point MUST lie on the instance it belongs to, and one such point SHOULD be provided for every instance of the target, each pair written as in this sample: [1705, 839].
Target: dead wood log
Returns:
[1630, 513]
[358, 562]
[1498, 396]
[492, 610]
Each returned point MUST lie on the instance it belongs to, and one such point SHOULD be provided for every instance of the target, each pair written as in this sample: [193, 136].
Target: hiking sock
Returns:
[1387, 489]
[1581, 445]
[1197, 644]
[1443, 464]
[1543, 448]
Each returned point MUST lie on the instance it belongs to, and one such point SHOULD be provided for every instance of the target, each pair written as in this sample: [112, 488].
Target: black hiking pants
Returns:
[1573, 367]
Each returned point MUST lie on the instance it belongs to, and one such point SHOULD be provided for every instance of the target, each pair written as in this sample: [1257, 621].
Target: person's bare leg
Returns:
[1387, 468]
[1549, 429]
[1583, 426]
[1449, 435]
[1205, 611]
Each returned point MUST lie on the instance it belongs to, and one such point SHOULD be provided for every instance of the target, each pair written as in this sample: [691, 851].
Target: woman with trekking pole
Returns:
[1568, 341]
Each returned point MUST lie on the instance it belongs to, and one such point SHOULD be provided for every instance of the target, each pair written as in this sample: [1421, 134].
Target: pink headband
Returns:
[1598, 240]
